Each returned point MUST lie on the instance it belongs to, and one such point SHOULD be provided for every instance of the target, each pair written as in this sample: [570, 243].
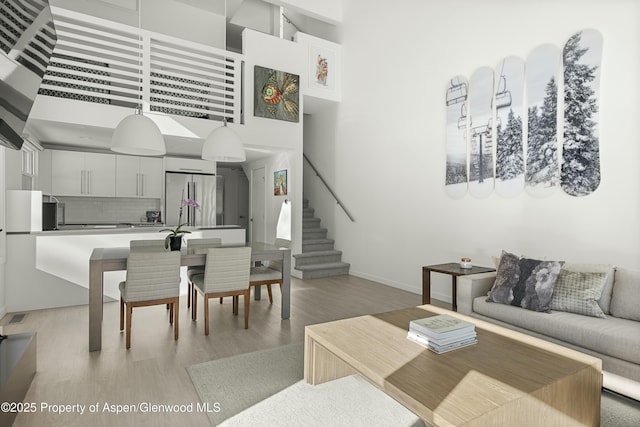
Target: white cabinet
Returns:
[139, 177]
[75, 173]
[43, 181]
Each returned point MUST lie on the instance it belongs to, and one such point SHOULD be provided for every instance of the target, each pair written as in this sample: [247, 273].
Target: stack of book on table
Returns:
[442, 333]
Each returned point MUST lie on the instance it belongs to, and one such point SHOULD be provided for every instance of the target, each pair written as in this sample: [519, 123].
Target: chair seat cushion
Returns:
[192, 271]
[260, 274]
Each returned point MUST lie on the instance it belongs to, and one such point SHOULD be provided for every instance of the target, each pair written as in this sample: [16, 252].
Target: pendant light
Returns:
[223, 145]
[137, 134]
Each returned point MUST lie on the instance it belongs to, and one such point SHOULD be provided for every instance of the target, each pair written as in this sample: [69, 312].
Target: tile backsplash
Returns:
[98, 210]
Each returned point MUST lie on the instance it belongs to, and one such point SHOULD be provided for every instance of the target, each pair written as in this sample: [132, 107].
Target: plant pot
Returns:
[175, 243]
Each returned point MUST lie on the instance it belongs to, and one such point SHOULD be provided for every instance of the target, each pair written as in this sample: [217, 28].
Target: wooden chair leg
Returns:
[270, 293]
[235, 305]
[121, 314]
[171, 313]
[246, 309]
[206, 315]
[189, 291]
[220, 300]
[176, 304]
[128, 333]
[194, 305]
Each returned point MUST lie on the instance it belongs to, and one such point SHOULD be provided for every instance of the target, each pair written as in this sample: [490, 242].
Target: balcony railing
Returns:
[101, 61]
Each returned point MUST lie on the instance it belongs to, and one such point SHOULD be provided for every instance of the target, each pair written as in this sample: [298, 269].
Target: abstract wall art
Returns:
[276, 94]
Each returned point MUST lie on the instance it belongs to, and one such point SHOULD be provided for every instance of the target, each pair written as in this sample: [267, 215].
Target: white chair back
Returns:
[152, 275]
[227, 269]
[147, 245]
[204, 243]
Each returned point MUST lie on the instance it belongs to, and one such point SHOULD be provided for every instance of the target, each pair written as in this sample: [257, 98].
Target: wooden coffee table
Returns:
[508, 378]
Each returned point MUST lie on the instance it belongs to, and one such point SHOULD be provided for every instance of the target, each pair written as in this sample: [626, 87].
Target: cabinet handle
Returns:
[142, 184]
[137, 184]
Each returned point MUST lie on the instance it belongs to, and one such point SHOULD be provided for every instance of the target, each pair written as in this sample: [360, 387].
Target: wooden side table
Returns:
[454, 270]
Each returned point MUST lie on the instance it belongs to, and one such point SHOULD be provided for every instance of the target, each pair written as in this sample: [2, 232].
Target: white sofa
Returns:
[614, 339]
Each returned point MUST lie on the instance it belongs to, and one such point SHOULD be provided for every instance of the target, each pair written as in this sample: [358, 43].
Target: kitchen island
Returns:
[50, 269]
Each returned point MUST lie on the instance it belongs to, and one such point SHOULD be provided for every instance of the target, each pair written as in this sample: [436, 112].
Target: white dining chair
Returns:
[147, 245]
[226, 273]
[153, 278]
[270, 273]
[198, 269]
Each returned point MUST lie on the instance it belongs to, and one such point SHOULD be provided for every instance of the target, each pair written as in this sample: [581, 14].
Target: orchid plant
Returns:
[178, 231]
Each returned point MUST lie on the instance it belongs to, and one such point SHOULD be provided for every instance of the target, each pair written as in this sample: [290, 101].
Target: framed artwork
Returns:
[280, 183]
[276, 94]
[323, 74]
[323, 68]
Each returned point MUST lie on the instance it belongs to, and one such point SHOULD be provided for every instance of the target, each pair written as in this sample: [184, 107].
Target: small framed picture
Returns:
[280, 183]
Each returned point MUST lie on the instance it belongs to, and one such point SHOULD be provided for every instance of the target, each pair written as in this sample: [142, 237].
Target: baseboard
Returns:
[621, 385]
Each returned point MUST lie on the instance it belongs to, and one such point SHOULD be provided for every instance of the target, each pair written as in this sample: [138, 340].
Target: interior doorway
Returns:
[257, 220]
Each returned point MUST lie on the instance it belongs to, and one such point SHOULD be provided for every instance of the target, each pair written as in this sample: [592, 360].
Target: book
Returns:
[418, 337]
[441, 326]
[444, 348]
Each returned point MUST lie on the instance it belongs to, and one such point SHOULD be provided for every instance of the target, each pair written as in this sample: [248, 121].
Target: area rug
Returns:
[235, 383]
[266, 388]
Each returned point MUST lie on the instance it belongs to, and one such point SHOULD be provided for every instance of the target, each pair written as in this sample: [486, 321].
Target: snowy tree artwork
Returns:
[456, 143]
[481, 178]
[580, 171]
[542, 175]
[508, 103]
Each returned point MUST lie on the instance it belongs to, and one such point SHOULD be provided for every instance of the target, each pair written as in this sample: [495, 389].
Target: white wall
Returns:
[272, 52]
[382, 148]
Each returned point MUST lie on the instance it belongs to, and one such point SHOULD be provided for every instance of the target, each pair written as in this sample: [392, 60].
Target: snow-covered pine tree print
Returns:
[580, 171]
[508, 103]
[542, 176]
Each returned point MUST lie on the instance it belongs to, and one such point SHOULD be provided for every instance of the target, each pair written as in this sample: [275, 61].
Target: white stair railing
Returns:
[101, 61]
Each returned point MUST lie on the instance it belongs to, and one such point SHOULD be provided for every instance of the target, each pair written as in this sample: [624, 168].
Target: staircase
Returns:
[318, 257]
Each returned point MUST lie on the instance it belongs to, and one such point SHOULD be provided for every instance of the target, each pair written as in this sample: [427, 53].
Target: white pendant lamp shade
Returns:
[223, 145]
[138, 135]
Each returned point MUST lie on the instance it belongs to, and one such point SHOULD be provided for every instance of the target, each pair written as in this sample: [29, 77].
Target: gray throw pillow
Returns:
[507, 276]
[579, 292]
[525, 282]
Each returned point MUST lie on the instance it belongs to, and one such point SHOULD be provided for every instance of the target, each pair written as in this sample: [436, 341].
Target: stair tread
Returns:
[323, 266]
[316, 253]
[314, 229]
[304, 241]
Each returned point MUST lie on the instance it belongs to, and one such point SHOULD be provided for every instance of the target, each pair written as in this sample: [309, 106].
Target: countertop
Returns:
[120, 228]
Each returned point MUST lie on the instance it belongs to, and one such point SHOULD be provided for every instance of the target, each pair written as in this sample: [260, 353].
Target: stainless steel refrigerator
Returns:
[206, 190]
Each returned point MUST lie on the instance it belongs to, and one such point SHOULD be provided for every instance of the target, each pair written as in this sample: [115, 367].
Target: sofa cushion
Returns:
[619, 338]
[625, 300]
[578, 293]
[605, 299]
[525, 282]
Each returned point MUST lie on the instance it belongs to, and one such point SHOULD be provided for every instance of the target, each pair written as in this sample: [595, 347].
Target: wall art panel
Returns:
[481, 179]
[580, 172]
[542, 175]
[508, 103]
[456, 101]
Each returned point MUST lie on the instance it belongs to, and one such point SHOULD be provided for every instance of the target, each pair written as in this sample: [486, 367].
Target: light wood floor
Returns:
[153, 370]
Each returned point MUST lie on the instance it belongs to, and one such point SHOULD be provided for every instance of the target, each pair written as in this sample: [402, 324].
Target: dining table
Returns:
[115, 259]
